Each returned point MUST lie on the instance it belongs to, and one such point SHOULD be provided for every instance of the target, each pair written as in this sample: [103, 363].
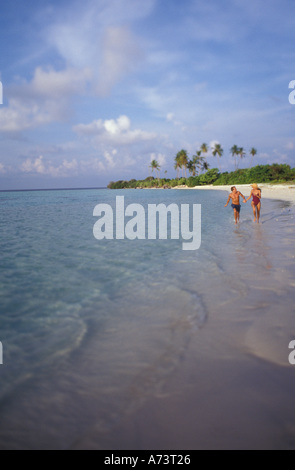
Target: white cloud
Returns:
[157, 98]
[122, 124]
[44, 100]
[290, 146]
[40, 167]
[52, 84]
[114, 132]
[109, 161]
[2, 169]
[109, 157]
[94, 165]
[171, 118]
[14, 118]
[212, 144]
[98, 36]
[36, 166]
[161, 158]
[78, 32]
[121, 54]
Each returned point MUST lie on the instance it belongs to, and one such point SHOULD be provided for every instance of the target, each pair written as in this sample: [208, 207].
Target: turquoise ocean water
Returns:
[91, 328]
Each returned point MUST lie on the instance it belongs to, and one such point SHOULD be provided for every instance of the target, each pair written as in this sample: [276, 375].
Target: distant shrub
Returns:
[210, 177]
[132, 184]
[193, 181]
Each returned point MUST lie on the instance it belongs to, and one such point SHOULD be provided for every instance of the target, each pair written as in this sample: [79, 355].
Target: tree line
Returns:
[275, 173]
[199, 161]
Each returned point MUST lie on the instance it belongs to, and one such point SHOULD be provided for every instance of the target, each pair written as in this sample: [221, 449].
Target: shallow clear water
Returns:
[91, 328]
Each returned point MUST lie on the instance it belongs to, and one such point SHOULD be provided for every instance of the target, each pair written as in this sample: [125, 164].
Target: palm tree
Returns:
[195, 163]
[182, 156]
[217, 150]
[241, 154]
[155, 166]
[235, 151]
[191, 166]
[253, 152]
[205, 166]
[198, 160]
[177, 165]
[204, 150]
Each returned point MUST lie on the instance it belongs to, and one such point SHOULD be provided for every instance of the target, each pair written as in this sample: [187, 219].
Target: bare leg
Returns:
[236, 216]
[258, 212]
[254, 211]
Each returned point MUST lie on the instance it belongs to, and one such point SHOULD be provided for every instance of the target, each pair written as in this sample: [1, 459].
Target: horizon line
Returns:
[50, 189]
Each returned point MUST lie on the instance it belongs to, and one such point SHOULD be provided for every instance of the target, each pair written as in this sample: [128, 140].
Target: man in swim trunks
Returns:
[235, 197]
[256, 202]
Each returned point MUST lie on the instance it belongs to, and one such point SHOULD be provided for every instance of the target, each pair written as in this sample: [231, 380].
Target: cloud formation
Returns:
[160, 158]
[98, 36]
[46, 99]
[41, 167]
[114, 132]
[121, 55]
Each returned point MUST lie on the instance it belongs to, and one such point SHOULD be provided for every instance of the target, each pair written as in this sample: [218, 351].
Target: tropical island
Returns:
[200, 173]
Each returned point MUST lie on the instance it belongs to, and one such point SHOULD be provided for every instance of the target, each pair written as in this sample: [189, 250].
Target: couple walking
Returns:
[256, 202]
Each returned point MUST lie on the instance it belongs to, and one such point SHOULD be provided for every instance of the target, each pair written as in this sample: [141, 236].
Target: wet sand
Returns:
[234, 387]
[219, 401]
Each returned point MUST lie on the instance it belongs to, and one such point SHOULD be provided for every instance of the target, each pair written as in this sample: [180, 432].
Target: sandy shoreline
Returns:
[234, 387]
[269, 191]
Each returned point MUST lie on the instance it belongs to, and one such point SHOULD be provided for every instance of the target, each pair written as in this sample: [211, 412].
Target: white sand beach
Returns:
[285, 192]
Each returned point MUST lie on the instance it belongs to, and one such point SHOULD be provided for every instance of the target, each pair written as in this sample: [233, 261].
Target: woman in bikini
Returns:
[256, 202]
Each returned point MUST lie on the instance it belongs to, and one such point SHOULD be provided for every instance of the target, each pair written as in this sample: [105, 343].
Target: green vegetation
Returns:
[259, 174]
[202, 175]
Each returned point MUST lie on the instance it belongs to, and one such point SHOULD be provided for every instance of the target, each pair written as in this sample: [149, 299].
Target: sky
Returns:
[95, 90]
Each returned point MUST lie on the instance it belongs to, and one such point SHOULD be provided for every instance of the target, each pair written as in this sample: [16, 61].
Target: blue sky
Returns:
[94, 90]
